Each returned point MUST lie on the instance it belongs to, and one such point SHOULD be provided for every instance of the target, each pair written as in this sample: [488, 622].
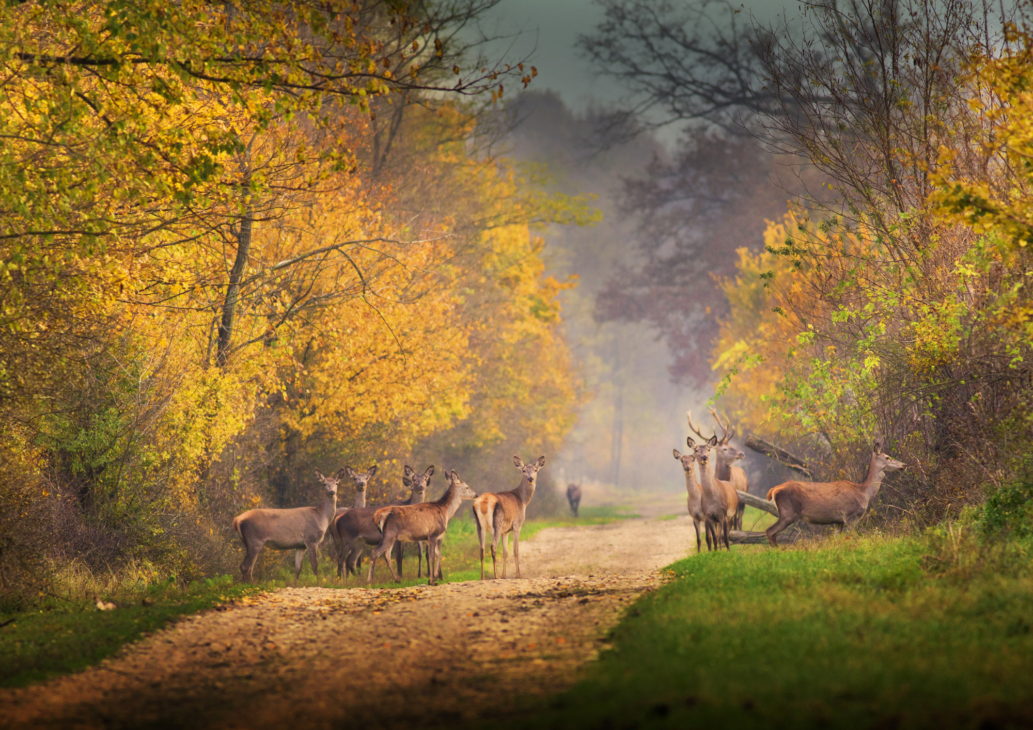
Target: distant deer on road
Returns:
[419, 522]
[830, 503]
[574, 497]
[301, 529]
[356, 528]
[725, 469]
[499, 514]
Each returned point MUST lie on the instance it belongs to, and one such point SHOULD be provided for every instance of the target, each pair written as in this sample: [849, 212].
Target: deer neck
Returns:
[873, 480]
[450, 500]
[525, 491]
[360, 499]
[707, 479]
[722, 469]
[692, 487]
[329, 507]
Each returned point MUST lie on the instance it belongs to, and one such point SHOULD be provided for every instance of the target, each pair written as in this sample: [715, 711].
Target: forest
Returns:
[240, 244]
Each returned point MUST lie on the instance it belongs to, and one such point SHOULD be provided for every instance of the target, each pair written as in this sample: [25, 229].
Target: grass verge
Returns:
[869, 632]
[43, 644]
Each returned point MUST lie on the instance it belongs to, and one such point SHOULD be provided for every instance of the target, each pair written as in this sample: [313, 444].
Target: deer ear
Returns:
[371, 471]
[877, 447]
[319, 474]
[406, 481]
[454, 477]
[517, 462]
[430, 471]
[713, 440]
[677, 454]
[409, 471]
[689, 442]
[349, 471]
[541, 461]
[341, 472]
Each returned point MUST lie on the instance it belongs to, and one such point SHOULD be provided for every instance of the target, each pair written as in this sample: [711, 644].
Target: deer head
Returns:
[462, 487]
[331, 482]
[361, 479]
[702, 450]
[883, 461]
[685, 459]
[530, 470]
[418, 483]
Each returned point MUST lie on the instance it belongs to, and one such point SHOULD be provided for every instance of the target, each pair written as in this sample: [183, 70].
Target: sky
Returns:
[546, 33]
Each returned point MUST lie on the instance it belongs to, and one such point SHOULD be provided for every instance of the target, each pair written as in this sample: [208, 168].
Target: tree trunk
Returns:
[761, 504]
[229, 307]
[778, 454]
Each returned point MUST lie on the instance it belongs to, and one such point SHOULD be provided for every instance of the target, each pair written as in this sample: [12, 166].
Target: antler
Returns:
[694, 428]
[728, 431]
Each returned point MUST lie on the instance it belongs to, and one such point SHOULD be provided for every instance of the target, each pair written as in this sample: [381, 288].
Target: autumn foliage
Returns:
[240, 244]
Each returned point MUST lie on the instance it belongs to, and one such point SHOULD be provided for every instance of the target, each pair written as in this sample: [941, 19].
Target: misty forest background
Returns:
[240, 245]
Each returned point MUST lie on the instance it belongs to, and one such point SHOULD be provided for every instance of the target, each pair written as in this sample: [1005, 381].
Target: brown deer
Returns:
[356, 528]
[574, 497]
[301, 529]
[725, 469]
[840, 503]
[499, 514]
[719, 499]
[695, 495]
[361, 481]
[418, 522]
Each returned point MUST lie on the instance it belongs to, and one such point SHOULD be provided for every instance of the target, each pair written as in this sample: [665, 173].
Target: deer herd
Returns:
[388, 527]
[716, 500]
[717, 497]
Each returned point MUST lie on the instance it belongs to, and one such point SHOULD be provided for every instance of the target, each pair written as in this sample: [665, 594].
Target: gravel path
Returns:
[381, 658]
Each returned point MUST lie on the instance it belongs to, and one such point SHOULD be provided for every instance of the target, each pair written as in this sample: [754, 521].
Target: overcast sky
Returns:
[547, 31]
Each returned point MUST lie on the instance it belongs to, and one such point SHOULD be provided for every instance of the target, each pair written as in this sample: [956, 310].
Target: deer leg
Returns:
[247, 568]
[494, 551]
[480, 539]
[738, 514]
[516, 550]
[699, 540]
[299, 559]
[313, 558]
[728, 547]
[505, 557]
[782, 523]
[399, 548]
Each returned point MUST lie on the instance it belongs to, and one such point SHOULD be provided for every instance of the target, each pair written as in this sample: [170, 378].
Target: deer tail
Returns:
[775, 490]
[381, 517]
[236, 526]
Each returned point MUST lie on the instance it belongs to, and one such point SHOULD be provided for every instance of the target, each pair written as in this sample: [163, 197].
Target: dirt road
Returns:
[317, 657]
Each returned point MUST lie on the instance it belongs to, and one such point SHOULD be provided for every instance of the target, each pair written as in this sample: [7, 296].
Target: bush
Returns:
[1008, 511]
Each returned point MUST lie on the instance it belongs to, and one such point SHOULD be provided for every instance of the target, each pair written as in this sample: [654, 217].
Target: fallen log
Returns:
[738, 537]
[778, 454]
[762, 504]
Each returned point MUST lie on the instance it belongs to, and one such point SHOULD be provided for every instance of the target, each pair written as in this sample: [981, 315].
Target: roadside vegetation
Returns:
[846, 631]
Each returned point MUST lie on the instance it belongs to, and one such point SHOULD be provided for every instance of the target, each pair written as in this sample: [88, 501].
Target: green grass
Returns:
[42, 644]
[852, 633]
[68, 636]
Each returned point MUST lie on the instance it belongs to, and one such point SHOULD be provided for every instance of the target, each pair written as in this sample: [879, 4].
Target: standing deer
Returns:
[725, 469]
[719, 500]
[695, 495]
[356, 528]
[574, 497]
[499, 514]
[840, 503]
[301, 529]
[418, 522]
[361, 480]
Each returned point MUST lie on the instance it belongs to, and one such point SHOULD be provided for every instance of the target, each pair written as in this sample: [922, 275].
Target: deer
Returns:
[499, 514]
[574, 497]
[725, 469]
[840, 503]
[356, 528]
[361, 480]
[695, 495]
[719, 500]
[301, 529]
[419, 522]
